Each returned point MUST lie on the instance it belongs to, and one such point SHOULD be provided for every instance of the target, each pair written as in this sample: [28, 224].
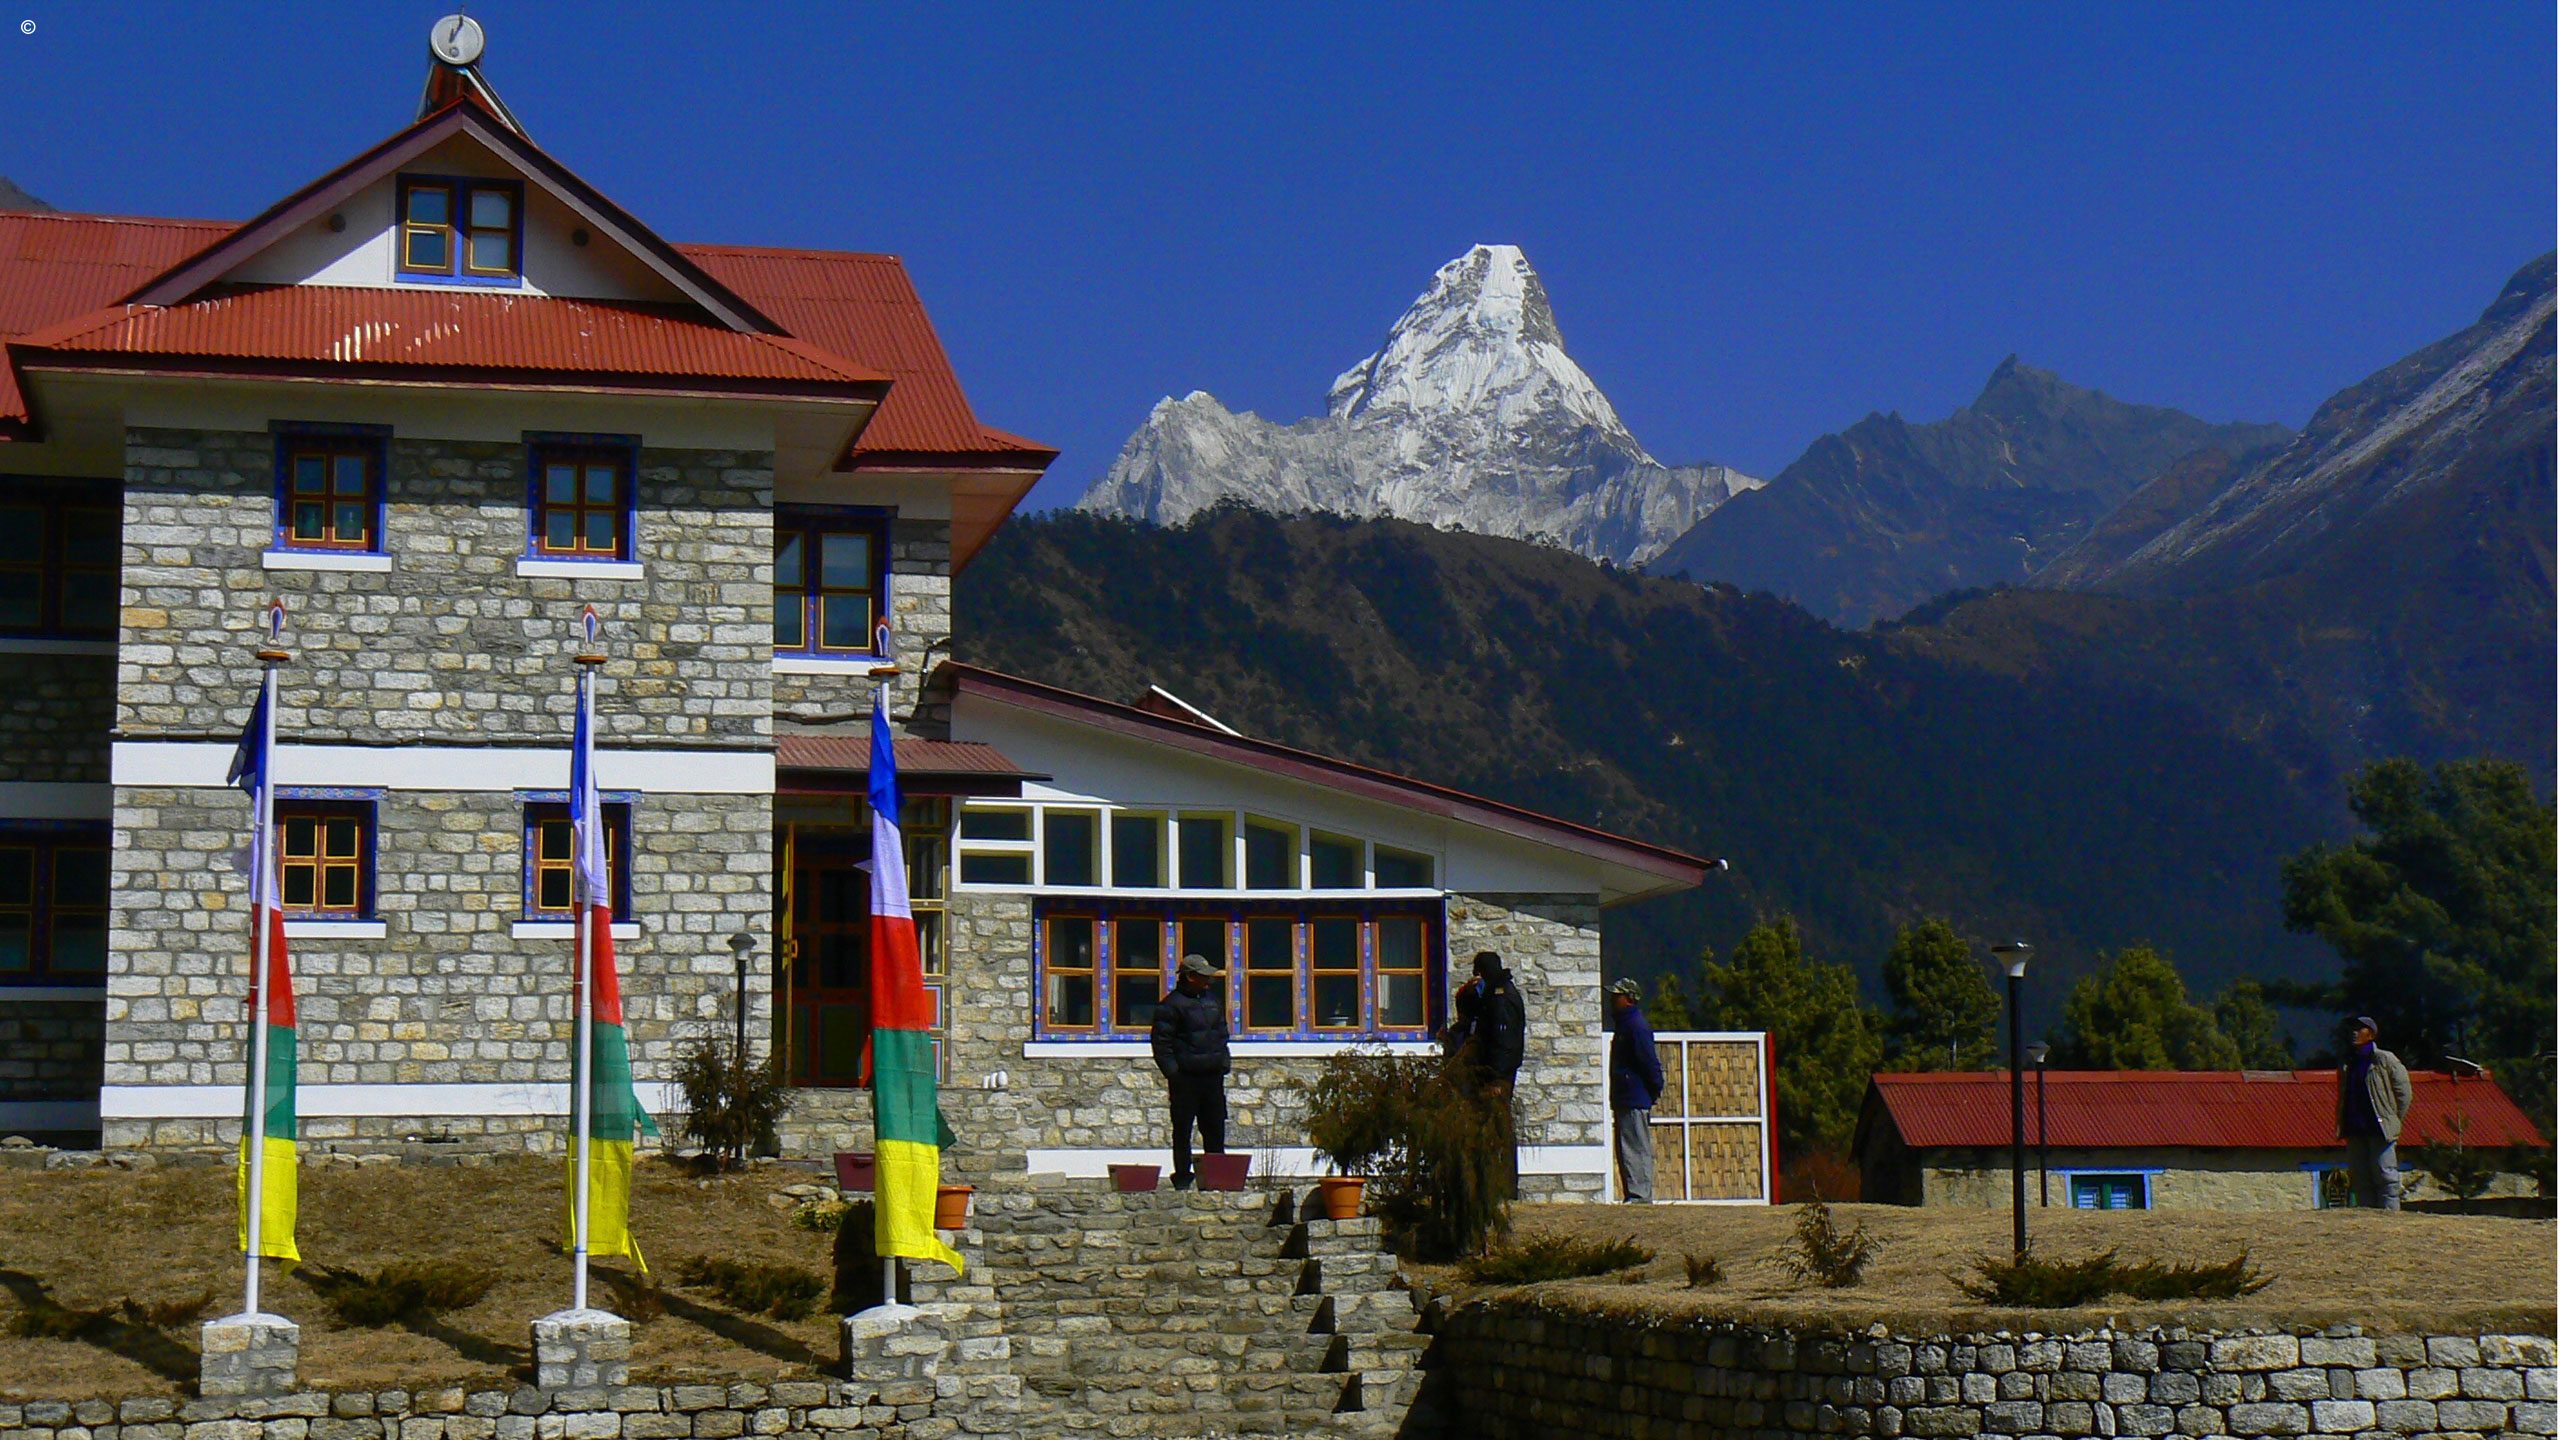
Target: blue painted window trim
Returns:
[1106, 910]
[621, 810]
[538, 444]
[55, 499]
[378, 487]
[47, 838]
[324, 799]
[457, 233]
[877, 520]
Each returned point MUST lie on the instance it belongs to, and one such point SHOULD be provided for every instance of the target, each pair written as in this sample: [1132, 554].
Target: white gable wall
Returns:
[364, 254]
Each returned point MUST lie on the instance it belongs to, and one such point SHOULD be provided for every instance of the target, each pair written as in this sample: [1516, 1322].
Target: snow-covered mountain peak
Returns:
[1481, 341]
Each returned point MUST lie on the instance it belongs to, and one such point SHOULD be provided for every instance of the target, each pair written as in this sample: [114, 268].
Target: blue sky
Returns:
[1756, 227]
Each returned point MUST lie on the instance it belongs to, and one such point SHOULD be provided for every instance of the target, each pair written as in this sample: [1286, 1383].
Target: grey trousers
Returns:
[2373, 1171]
[1635, 1155]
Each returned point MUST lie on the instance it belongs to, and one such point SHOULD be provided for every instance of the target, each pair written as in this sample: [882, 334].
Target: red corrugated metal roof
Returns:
[56, 266]
[443, 328]
[2209, 1109]
[852, 753]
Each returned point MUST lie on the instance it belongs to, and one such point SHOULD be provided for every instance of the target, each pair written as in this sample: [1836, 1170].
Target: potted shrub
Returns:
[1419, 1144]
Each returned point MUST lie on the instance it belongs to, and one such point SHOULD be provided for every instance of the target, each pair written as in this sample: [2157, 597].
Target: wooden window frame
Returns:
[369, 443]
[1246, 972]
[458, 230]
[811, 525]
[1159, 966]
[44, 844]
[1362, 966]
[1374, 970]
[55, 506]
[1106, 913]
[541, 812]
[1093, 970]
[585, 452]
[291, 812]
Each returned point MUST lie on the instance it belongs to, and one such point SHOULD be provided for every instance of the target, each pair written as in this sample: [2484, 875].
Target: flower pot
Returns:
[1340, 1196]
[1224, 1172]
[1129, 1179]
[854, 1171]
[951, 1206]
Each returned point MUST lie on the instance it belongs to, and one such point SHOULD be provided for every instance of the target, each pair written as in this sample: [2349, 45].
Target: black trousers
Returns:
[1200, 1100]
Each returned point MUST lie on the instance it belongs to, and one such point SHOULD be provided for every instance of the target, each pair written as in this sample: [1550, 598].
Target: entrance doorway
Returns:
[823, 982]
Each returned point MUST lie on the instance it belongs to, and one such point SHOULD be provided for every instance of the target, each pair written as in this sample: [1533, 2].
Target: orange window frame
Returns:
[1419, 970]
[324, 855]
[1052, 972]
[411, 229]
[331, 499]
[1258, 966]
[552, 856]
[1317, 970]
[583, 464]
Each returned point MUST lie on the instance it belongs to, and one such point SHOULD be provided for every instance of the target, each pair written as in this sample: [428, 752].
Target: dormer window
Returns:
[459, 229]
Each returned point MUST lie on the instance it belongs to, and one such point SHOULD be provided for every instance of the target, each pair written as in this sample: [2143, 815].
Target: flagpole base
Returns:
[250, 1355]
[894, 1345]
[576, 1348]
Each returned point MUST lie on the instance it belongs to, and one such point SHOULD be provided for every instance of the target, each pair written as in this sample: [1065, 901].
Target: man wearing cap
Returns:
[2373, 1099]
[1635, 1082]
[1490, 1036]
[1190, 1041]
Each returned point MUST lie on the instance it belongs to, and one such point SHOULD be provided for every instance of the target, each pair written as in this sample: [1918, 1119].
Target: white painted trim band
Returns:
[446, 768]
[211, 1102]
[1240, 1049]
[1294, 1161]
[57, 800]
[344, 562]
[804, 666]
[57, 647]
[48, 1115]
[335, 929]
[567, 930]
[578, 569]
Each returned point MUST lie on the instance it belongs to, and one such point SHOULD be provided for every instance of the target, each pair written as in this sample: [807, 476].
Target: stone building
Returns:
[443, 399]
[2167, 1140]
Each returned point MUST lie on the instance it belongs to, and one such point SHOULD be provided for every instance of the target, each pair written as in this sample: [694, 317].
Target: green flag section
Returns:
[277, 1191]
[614, 1122]
[909, 1146]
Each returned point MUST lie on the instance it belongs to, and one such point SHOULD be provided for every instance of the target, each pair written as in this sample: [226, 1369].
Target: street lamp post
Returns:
[2013, 953]
[742, 945]
[2044, 1180]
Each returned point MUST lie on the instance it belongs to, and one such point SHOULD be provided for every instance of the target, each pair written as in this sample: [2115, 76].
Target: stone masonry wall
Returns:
[919, 622]
[2186, 1179]
[1552, 942]
[447, 995]
[50, 1049]
[55, 724]
[452, 646]
[799, 1408]
[1533, 1371]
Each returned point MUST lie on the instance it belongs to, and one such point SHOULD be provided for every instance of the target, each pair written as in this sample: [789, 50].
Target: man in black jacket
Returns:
[1190, 1040]
[1491, 1032]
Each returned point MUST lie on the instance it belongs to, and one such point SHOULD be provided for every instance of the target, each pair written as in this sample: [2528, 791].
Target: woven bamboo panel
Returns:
[1724, 1078]
[1669, 1163]
[1668, 1103]
[1724, 1162]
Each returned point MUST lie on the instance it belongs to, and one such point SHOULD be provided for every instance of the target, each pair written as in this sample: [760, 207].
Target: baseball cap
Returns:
[1628, 988]
[1194, 965]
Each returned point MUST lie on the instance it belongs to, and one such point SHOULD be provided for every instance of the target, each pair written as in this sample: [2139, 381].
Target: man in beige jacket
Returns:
[2373, 1101]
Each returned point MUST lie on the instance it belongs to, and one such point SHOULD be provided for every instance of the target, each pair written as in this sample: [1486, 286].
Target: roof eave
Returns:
[866, 393]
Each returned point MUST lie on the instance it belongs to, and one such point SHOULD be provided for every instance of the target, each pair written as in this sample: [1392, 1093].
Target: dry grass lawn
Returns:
[2443, 1272]
[93, 1238]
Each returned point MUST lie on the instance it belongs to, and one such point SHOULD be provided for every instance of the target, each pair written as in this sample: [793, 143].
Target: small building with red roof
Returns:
[2166, 1140]
[442, 400]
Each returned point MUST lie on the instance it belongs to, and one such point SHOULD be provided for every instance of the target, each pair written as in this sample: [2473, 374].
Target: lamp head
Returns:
[2013, 954]
[2038, 1051]
[741, 943]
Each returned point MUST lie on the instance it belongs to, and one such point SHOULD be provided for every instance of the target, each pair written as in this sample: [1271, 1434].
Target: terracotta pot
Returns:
[1341, 1195]
[951, 1206]
[1129, 1179]
[1224, 1172]
[854, 1171]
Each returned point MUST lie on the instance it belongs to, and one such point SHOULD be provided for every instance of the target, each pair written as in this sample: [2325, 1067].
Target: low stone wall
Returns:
[624, 1412]
[1527, 1369]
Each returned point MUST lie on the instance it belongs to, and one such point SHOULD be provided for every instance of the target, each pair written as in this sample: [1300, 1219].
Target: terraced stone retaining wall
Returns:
[806, 1408]
[1536, 1370]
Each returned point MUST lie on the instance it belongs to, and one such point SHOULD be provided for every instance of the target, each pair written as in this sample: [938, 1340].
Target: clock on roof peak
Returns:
[456, 40]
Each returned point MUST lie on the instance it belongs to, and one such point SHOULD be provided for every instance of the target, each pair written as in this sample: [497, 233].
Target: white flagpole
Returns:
[584, 1108]
[261, 861]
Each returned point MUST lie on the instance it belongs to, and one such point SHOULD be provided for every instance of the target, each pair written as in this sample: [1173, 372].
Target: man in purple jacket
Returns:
[1635, 1082]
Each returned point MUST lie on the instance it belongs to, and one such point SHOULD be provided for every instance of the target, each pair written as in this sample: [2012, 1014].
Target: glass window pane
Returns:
[311, 474]
[604, 531]
[1270, 858]
[787, 561]
[844, 560]
[977, 824]
[430, 205]
[1206, 939]
[17, 877]
[17, 939]
[1403, 870]
[603, 483]
[551, 889]
[560, 529]
[310, 520]
[1204, 852]
[90, 600]
[1067, 845]
[339, 887]
[1137, 852]
[354, 522]
[298, 885]
[493, 209]
[1268, 1003]
[1134, 999]
[1333, 863]
[92, 537]
[1070, 1000]
[1070, 945]
[790, 621]
[844, 622]
[1334, 944]
[21, 535]
[996, 869]
[79, 943]
[342, 839]
[552, 836]
[1336, 1000]
[301, 837]
[80, 879]
[1399, 944]
[348, 474]
[1399, 1000]
[1137, 950]
[493, 250]
[21, 599]
[429, 250]
[560, 484]
[1267, 945]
